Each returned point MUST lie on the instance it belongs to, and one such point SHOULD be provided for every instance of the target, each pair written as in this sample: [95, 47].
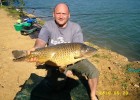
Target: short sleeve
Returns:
[78, 35]
[44, 33]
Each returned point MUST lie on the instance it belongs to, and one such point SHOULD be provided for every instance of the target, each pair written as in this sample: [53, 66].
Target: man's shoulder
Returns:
[50, 22]
[74, 24]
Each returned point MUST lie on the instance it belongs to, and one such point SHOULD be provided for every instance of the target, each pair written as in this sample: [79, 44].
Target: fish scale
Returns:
[59, 55]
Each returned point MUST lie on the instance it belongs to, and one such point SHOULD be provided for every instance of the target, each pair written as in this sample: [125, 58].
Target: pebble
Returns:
[136, 85]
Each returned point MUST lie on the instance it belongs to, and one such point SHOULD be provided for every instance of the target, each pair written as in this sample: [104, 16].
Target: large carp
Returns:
[59, 55]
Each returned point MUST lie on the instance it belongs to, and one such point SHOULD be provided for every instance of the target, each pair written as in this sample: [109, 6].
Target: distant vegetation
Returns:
[13, 3]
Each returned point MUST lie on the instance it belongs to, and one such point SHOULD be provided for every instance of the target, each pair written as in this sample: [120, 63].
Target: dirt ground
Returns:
[115, 82]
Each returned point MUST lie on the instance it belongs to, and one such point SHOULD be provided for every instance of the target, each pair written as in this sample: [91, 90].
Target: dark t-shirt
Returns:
[52, 34]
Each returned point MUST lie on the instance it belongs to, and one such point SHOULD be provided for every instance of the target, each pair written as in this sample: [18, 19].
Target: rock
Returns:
[136, 85]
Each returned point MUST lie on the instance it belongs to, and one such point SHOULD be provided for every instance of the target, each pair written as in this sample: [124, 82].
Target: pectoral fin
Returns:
[39, 63]
[61, 69]
[79, 57]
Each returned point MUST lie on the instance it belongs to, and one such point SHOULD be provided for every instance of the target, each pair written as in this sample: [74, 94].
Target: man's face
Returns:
[61, 15]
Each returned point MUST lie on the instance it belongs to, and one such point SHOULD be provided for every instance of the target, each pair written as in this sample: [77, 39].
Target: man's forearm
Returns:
[39, 43]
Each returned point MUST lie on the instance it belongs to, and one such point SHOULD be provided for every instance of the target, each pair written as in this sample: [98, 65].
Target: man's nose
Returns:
[61, 15]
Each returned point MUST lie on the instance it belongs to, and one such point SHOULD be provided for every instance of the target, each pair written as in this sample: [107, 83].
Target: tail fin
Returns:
[19, 53]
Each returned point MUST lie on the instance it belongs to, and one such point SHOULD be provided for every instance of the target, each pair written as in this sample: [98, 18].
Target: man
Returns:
[61, 30]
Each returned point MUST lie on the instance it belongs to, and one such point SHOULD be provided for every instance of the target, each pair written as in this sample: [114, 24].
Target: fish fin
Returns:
[19, 59]
[39, 63]
[61, 69]
[19, 53]
[79, 57]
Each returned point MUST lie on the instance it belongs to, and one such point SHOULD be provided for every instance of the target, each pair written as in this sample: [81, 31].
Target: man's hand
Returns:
[32, 59]
[38, 44]
[70, 74]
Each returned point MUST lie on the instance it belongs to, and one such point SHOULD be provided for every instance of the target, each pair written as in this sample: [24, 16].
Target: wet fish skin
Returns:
[59, 55]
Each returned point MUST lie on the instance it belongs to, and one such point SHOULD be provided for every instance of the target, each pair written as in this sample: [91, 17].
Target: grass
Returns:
[114, 78]
[101, 56]
[124, 85]
[17, 13]
[11, 11]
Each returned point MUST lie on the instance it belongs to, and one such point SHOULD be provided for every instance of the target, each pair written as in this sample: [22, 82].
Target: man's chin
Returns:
[60, 24]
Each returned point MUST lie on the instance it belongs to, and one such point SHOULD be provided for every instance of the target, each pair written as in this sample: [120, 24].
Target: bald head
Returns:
[61, 14]
[62, 5]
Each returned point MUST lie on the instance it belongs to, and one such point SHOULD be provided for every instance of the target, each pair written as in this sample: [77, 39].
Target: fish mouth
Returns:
[91, 49]
[88, 51]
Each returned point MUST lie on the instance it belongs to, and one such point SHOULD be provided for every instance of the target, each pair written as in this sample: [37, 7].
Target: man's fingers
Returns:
[30, 50]
[33, 59]
[69, 73]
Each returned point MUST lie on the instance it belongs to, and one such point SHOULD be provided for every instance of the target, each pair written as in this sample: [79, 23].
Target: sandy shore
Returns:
[12, 75]
[111, 65]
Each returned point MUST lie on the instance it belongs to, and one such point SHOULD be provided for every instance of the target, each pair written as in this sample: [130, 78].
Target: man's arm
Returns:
[38, 44]
[78, 35]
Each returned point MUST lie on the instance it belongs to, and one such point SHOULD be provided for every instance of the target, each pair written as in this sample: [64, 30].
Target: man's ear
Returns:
[53, 14]
[69, 15]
